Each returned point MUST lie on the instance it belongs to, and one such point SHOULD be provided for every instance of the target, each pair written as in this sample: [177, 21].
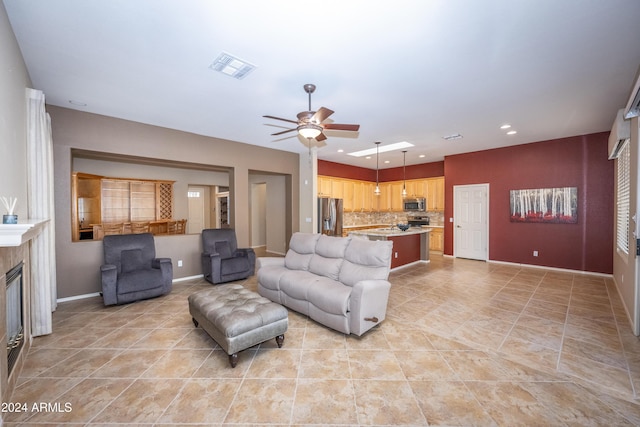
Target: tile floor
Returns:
[465, 343]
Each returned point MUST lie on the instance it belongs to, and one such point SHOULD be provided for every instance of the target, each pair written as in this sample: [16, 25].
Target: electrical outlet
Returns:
[179, 263]
[396, 254]
[535, 253]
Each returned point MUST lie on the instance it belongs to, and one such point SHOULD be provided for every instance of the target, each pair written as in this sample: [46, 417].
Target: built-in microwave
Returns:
[416, 204]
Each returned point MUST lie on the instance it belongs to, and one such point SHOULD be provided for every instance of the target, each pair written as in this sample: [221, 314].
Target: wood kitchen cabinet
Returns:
[435, 194]
[436, 241]
[396, 197]
[358, 196]
[348, 195]
[324, 186]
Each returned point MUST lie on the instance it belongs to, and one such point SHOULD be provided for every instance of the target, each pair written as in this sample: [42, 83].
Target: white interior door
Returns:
[471, 221]
[195, 222]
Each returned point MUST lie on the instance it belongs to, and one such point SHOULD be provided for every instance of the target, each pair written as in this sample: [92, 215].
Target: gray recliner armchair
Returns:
[222, 260]
[131, 271]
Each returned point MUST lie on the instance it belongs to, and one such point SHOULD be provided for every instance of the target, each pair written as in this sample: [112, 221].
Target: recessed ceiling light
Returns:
[505, 126]
[452, 136]
[368, 157]
[422, 155]
[340, 150]
[232, 66]
[387, 161]
[512, 132]
[383, 149]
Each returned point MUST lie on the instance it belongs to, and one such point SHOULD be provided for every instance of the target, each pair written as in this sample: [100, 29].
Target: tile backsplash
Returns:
[375, 218]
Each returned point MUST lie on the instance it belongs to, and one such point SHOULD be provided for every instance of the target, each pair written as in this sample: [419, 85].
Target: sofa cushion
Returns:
[328, 256]
[330, 296]
[269, 276]
[234, 265]
[131, 260]
[301, 249]
[296, 283]
[366, 259]
[139, 280]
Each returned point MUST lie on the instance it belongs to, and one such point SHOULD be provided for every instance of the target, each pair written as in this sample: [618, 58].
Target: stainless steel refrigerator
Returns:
[330, 216]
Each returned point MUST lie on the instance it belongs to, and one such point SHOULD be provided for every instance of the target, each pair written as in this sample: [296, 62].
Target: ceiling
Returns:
[412, 71]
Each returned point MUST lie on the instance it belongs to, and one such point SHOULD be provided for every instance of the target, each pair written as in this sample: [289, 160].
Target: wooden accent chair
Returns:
[139, 227]
[172, 226]
[111, 228]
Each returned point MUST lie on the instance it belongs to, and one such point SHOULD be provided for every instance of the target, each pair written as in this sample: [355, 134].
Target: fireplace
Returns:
[15, 319]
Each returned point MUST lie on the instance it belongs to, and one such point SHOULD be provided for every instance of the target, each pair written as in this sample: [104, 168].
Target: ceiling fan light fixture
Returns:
[309, 130]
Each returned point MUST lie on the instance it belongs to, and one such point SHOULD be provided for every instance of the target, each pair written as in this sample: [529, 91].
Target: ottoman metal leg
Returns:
[279, 340]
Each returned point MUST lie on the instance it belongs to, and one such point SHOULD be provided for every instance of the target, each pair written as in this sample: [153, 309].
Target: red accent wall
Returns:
[340, 170]
[425, 170]
[580, 162]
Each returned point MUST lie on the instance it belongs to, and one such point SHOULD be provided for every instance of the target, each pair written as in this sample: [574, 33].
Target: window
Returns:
[622, 219]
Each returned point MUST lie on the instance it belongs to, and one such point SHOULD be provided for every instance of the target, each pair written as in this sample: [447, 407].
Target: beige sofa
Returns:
[340, 282]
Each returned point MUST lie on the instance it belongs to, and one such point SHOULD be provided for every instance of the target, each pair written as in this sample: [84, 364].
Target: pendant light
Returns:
[404, 173]
[377, 190]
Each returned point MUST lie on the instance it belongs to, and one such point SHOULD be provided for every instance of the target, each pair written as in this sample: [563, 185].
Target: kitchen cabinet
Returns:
[415, 188]
[436, 243]
[396, 196]
[384, 198]
[348, 195]
[324, 186]
[358, 196]
[435, 194]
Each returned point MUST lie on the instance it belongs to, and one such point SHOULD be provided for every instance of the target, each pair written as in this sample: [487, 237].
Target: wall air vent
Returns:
[232, 66]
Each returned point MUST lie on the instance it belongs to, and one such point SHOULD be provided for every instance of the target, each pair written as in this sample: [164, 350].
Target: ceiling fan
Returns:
[309, 123]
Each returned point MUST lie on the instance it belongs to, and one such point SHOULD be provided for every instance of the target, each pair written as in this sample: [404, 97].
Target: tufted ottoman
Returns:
[237, 318]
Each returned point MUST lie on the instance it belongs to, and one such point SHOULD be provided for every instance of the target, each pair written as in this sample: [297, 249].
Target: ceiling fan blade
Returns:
[321, 137]
[280, 118]
[321, 115]
[337, 126]
[284, 131]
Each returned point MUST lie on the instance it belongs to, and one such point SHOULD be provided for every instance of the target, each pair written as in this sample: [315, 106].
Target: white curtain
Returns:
[41, 206]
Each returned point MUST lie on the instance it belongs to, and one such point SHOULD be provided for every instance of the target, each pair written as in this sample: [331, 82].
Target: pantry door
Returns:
[471, 221]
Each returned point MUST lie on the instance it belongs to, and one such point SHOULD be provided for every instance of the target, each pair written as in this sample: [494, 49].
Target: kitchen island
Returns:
[408, 246]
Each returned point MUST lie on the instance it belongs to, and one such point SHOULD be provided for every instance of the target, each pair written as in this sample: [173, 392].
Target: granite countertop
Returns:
[391, 231]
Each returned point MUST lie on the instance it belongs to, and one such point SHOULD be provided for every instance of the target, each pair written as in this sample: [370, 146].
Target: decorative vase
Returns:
[9, 219]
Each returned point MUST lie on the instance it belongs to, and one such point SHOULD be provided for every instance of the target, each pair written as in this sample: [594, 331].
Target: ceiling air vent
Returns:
[232, 66]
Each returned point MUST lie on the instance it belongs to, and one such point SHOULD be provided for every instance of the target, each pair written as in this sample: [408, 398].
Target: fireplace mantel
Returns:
[17, 234]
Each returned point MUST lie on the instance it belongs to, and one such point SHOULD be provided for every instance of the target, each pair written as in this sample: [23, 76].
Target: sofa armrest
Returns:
[211, 266]
[109, 278]
[267, 261]
[158, 262]
[368, 304]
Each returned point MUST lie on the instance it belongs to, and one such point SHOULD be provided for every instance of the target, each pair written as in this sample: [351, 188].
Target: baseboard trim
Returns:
[420, 261]
[97, 294]
[543, 267]
[184, 279]
[77, 297]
